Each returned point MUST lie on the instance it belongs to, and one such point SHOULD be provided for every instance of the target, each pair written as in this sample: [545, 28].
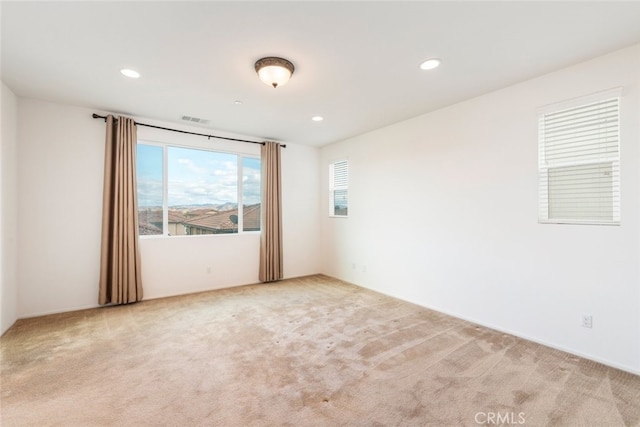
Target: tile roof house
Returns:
[150, 222]
[224, 222]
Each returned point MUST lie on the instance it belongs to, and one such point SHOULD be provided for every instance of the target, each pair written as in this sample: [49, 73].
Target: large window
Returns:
[186, 191]
[579, 161]
[339, 188]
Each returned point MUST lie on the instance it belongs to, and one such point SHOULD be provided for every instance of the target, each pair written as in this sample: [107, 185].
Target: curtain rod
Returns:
[96, 116]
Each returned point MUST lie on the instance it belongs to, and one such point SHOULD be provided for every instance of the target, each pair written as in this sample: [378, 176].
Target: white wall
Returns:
[301, 210]
[61, 154]
[8, 208]
[443, 213]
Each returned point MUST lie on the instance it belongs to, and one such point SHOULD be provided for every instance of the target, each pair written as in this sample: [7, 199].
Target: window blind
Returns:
[579, 163]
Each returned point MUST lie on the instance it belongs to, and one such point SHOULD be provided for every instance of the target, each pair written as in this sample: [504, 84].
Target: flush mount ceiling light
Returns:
[130, 73]
[274, 71]
[317, 118]
[430, 64]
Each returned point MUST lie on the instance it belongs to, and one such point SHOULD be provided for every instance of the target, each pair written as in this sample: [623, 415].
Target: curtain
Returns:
[120, 275]
[271, 217]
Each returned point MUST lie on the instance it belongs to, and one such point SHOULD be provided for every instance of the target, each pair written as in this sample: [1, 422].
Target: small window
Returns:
[579, 161]
[339, 188]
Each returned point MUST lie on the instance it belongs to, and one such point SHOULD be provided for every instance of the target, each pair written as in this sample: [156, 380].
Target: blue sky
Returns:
[195, 177]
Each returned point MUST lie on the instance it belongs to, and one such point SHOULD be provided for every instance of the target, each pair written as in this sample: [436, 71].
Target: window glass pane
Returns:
[251, 194]
[149, 180]
[202, 191]
[581, 192]
[340, 202]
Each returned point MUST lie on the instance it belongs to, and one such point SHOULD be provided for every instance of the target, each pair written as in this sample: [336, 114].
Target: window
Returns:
[339, 188]
[187, 191]
[579, 161]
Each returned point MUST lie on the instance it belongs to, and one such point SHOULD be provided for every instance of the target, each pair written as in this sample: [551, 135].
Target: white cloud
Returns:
[149, 192]
[202, 192]
[192, 166]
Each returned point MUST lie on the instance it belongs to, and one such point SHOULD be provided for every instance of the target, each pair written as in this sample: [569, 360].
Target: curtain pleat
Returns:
[120, 270]
[271, 217]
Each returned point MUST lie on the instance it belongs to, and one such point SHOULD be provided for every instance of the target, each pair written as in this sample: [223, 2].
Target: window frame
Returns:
[544, 166]
[240, 156]
[333, 187]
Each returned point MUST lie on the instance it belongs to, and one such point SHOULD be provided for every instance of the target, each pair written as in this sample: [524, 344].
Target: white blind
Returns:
[339, 188]
[340, 174]
[579, 163]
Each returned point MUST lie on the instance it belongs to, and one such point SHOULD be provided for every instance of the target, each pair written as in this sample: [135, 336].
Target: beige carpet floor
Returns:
[312, 351]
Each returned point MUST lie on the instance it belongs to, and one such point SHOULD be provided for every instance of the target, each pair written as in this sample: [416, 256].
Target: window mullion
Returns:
[239, 188]
[165, 197]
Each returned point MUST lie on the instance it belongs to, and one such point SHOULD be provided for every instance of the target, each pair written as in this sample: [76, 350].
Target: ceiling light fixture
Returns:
[274, 71]
[317, 118]
[430, 64]
[130, 73]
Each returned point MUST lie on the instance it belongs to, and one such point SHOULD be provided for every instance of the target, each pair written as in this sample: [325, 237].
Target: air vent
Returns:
[195, 120]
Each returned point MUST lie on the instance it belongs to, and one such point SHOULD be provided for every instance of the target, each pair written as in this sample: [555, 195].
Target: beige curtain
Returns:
[120, 278]
[271, 218]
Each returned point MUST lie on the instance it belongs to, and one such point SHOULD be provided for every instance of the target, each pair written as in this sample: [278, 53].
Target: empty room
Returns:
[320, 213]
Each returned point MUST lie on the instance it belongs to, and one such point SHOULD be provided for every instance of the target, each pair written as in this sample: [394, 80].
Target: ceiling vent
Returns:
[195, 120]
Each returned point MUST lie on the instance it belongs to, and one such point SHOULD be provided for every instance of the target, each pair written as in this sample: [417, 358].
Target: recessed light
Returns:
[430, 64]
[130, 73]
[317, 118]
[237, 102]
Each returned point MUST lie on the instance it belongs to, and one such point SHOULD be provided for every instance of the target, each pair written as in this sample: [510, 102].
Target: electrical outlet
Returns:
[587, 321]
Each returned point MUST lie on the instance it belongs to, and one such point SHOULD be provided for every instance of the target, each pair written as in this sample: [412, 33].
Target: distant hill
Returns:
[226, 206]
[198, 206]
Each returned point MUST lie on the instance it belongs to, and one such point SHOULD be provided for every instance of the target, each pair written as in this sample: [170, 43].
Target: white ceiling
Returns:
[356, 62]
